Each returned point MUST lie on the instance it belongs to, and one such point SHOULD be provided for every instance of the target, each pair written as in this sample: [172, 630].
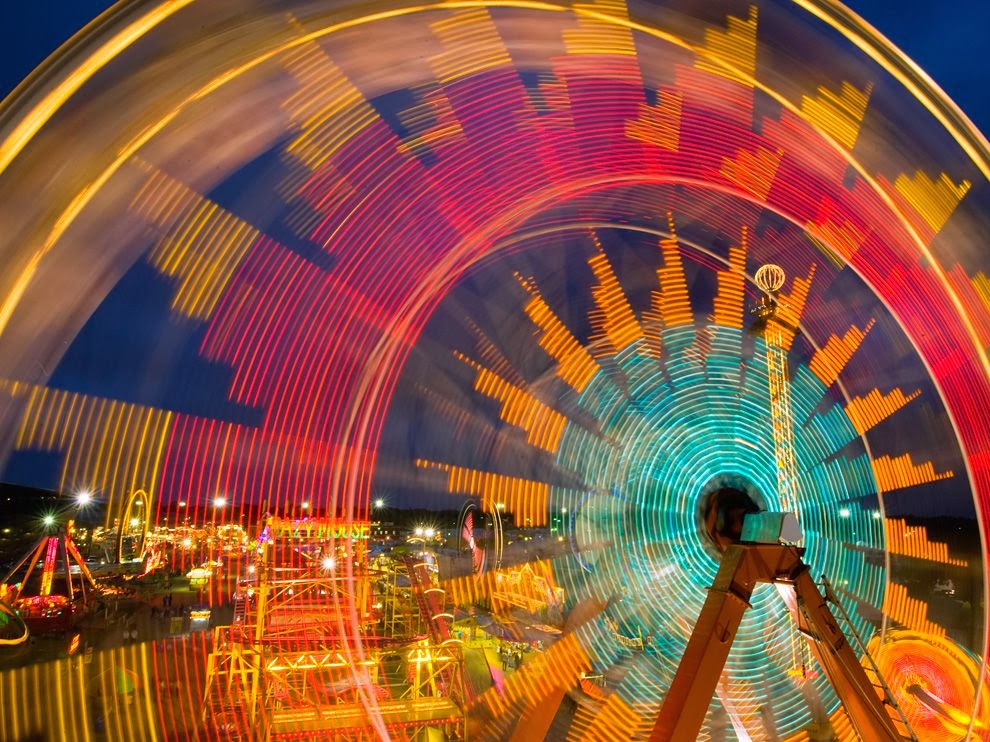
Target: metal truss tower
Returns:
[304, 659]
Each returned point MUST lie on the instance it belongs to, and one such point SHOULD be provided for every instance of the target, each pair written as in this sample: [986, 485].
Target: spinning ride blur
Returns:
[504, 252]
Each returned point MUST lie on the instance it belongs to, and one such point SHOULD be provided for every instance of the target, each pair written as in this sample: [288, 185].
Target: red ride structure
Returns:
[304, 657]
[49, 587]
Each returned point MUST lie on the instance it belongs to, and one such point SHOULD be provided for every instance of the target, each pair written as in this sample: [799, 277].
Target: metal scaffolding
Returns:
[305, 655]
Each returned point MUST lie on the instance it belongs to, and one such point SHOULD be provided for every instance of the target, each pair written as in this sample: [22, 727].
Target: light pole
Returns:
[219, 503]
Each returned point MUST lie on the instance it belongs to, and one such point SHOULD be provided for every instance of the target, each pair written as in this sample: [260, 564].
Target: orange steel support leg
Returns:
[840, 663]
[537, 718]
[742, 567]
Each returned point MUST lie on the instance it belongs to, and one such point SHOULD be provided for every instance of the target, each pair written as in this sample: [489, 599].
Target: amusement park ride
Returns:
[499, 253]
[320, 630]
[307, 654]
[51, 585]
[762, 547]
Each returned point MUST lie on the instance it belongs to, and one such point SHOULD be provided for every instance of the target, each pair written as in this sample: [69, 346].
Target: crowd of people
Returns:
[511, 654]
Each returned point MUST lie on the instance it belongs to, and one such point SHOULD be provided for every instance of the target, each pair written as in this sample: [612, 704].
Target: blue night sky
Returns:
[946, 39]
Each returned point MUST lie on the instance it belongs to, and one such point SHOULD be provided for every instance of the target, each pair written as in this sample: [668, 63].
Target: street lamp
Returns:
[84, 498]
[219, 503]
[379, 504]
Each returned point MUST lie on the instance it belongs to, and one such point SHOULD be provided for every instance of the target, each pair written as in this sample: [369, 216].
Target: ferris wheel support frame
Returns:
[743, 566]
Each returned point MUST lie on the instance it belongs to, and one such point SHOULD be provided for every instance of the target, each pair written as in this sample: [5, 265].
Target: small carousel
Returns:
[50, 587]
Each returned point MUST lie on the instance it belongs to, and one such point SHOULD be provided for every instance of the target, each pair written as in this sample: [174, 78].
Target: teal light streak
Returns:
[667, 429]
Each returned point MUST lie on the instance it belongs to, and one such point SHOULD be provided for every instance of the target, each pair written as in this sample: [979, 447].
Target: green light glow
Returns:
[669, 429]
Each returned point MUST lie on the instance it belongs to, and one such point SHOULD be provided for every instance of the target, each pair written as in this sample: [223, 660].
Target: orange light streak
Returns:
[430, 122]
[894, 473]
[659, 124]
[829, 360]
[561, 665]
[575, 366]
[729, 300]
[753, 171]
[613, 319]
[908, 611]
[544, 426]
[524, 498]
[672, 304]
[791, 307]
[875, 407]
[913, 541]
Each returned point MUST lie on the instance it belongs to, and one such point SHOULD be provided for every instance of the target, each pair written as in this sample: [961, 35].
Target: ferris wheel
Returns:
[485, 552]
[610, 275]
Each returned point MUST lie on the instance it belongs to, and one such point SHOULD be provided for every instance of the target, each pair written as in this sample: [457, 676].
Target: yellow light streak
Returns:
[471, 44]
[899, 66]
[597, 36]
[839, 114]
[203, 244]
[328, 107]
[934, 200]
[110, 445]
[731, 52]
[106, 52]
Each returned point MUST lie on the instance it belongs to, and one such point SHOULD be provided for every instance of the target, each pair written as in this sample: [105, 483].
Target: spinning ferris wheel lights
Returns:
[503, 255]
